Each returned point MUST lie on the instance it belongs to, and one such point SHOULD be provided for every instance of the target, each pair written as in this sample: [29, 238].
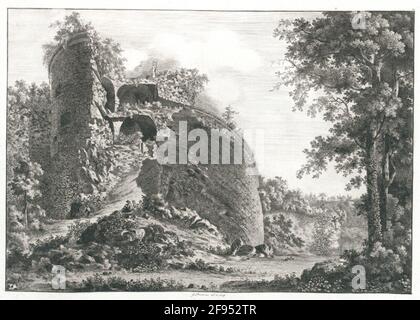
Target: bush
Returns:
[278, 233]
[220, 251]
[140, 255]
[99, 283]
[15, 258]
[76, 230]
[287, 283]
[108, 230]
[322, 233]
[43, 247]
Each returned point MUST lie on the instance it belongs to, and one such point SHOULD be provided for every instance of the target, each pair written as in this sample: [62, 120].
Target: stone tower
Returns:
[76, 94]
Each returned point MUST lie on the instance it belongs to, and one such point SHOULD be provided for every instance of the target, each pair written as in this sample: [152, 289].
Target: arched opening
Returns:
[137, 94]
[110, 94]
[139, 124]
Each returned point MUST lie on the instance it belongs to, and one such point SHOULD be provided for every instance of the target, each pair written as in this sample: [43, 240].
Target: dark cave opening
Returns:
[139, 123]
[137, 94]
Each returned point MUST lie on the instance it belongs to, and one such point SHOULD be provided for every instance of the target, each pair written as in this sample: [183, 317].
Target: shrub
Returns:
[99, 283]
[138, 254]
[220, 251]
[42, 247]
[76, 230]
[322, 233]
[15, 258]
[278, 233]
[107, 230]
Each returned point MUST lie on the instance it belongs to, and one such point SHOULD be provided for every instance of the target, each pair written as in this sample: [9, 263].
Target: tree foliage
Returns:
[361, 81]
[25, 185]
[24, 103]
[174, 82]
[182, 84]
[106, 52]
[276, 195]
[229, 116]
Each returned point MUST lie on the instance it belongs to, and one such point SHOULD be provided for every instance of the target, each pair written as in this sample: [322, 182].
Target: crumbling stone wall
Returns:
[76, 94]
[224, 194]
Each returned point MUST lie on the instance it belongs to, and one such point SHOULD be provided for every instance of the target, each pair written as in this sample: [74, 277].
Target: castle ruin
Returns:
[89, 112]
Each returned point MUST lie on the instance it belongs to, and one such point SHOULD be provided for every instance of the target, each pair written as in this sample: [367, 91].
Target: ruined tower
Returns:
[76, 93]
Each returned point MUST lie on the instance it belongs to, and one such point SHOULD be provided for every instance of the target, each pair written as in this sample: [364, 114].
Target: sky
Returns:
[236, 50]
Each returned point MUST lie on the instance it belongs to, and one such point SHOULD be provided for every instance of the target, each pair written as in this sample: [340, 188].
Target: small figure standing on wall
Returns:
[154, 69]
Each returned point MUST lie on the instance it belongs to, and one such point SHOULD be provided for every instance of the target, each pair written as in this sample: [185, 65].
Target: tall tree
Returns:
[229, 116]
[25, 184]
[107, 53]
[18, 117]
[355, 75]
[23, 103]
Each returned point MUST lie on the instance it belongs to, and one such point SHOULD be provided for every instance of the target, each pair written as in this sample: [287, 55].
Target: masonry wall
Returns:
[225, 194]
[75, 90]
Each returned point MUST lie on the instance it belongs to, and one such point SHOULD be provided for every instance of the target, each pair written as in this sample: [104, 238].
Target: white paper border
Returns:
[261, 5]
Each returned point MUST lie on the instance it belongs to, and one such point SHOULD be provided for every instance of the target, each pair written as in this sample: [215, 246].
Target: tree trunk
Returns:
[374, 219]
[387, 178]
[388, 171]
[25, 210]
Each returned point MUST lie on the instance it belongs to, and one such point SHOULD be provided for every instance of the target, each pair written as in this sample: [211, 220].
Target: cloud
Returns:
[224, 90]
[216, 49]
[219, 53]
[134, 57]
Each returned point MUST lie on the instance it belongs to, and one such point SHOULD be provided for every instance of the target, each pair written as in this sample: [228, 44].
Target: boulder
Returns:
[245, 250]
[86, 259]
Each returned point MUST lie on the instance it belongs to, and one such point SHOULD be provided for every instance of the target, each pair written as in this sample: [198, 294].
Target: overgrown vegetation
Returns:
[107, 52]
[364, 84]
[387, 271]
[99, 283]
[175, 83]
[317, 224]
[25, 214]
[278, 233]
[115, 242]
